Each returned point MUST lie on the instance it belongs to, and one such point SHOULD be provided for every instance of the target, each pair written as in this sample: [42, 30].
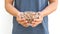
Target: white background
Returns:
[6, 20]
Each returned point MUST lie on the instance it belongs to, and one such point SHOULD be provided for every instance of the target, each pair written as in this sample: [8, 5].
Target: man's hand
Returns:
[22, 20]
[37, 21]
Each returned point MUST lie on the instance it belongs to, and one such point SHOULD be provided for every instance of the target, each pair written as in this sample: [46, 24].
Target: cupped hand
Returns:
[37, 21]
[22, 20]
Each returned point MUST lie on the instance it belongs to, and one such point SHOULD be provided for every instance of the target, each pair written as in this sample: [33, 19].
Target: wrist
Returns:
[17, 14]
[41, 14]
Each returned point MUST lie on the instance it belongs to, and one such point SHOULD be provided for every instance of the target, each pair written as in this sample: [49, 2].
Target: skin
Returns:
[48, 10]
[13, 11]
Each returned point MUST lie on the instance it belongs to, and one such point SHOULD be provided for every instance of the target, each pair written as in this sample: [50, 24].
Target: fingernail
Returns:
[26, 21]
[34, 20]
[23, 18]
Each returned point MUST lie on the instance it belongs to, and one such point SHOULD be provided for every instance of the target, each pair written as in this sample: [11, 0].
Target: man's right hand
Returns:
[22, 21]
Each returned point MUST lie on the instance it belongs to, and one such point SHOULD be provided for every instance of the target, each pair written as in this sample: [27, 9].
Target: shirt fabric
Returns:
[30, 5]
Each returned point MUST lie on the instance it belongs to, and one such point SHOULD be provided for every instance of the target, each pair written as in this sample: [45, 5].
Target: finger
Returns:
[24, 21]
[24, 24]
[37, 20]
[35, 24]
[19, 17]
[33, 13]
[21, 20]
[40, 17]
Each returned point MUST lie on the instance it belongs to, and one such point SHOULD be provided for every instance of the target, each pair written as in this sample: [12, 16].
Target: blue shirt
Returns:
[30, 5]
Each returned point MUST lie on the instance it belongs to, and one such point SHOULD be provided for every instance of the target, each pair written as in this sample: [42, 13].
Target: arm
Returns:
[10, 8]
[50, 8]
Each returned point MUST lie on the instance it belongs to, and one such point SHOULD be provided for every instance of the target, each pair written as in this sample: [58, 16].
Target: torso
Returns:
[30, 5]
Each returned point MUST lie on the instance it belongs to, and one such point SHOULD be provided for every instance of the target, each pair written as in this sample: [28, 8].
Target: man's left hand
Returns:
[38, 21]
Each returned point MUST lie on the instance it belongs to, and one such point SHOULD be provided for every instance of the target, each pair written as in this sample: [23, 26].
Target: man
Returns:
[38, 26]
